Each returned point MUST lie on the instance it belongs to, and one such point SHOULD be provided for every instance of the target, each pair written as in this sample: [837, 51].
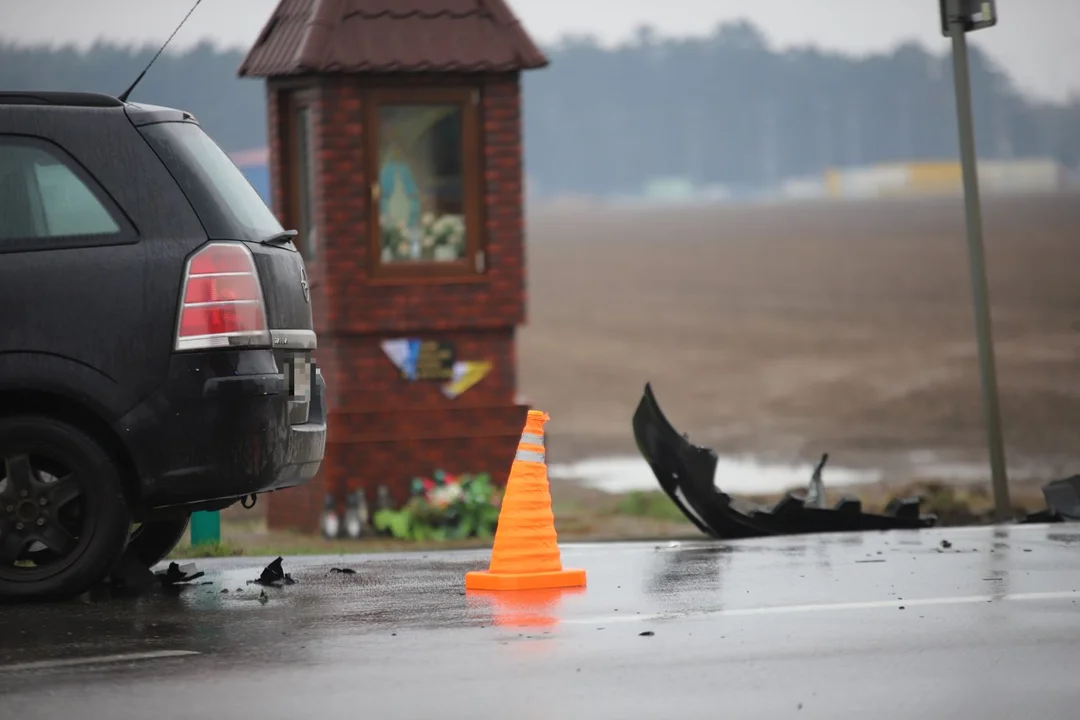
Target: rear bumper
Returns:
[219, 429]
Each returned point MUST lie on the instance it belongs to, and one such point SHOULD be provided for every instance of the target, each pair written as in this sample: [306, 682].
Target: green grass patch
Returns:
[206, 550]
[566, 507]
[286, 543]
[654, 504]
[316, 546]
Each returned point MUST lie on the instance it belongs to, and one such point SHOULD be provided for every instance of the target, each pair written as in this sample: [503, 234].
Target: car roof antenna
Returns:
[124, 95]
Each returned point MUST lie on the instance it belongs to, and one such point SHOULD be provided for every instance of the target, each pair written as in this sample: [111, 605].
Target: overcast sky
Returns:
[1037, 40]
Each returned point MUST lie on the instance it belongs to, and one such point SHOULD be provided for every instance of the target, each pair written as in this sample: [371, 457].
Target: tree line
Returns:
[720, 109]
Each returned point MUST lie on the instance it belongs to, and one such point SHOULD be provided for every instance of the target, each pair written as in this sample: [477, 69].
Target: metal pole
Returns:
[973, 212]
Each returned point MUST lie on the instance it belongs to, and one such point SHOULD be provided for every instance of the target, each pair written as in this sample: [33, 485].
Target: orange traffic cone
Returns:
[525, 555]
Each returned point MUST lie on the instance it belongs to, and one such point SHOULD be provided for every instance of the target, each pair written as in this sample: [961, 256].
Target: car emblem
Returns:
[304, 286]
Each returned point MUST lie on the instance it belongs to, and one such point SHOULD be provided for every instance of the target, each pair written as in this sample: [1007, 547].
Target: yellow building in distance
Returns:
[944, 178]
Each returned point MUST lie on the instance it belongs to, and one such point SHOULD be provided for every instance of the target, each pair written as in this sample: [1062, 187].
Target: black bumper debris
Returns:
[274, 574]
[177, 574]
[685, 471]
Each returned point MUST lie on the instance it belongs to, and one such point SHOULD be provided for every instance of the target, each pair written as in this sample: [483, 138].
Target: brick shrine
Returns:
[396, 152]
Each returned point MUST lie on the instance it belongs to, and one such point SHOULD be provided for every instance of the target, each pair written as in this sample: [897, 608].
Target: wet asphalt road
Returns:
[884, 625]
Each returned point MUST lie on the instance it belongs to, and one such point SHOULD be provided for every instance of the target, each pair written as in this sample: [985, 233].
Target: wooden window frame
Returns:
[296, 101]
[473, 265]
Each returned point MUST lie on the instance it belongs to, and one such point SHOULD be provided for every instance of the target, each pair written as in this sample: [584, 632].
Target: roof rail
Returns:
[51, 97]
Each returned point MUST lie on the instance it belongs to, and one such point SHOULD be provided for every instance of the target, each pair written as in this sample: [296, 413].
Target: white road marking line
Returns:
[98, 660]
[868, 605]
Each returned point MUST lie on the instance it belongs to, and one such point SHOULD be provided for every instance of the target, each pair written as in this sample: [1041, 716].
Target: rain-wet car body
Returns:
[156, 339]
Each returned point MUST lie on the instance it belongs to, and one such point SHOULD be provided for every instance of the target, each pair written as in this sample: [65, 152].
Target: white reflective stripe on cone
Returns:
[529, 456]
[532, 439]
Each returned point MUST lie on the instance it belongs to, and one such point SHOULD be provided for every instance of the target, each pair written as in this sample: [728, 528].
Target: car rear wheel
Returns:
[64, 519]
[152, 542]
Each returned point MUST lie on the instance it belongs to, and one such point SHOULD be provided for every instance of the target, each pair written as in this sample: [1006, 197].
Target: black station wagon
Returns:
[156, 339]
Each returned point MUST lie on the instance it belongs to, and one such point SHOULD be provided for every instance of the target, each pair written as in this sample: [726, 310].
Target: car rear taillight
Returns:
[222, 302]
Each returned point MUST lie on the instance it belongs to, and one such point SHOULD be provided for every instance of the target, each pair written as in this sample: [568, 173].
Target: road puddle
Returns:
[739, 475]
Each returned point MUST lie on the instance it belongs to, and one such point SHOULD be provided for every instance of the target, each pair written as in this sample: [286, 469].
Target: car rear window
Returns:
[229, 207]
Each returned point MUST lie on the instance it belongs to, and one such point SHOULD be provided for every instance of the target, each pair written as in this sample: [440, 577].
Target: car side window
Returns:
[44, 199]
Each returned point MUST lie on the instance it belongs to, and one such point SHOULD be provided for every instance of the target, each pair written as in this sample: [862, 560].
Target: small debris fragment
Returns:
[343, 571]
[946, 544]
[1027, 549]
[875, 560]
[647, 633]
[179, 575]
[901, 607]
[263, 597]
[224, 590]
[273, 574]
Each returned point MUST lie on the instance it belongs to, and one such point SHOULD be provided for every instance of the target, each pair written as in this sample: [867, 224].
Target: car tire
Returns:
[153, 541]
[64, 515]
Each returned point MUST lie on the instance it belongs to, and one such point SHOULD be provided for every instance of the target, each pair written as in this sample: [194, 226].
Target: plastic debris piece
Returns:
[686, 473]
[815, 492]
[179, 574]
[1063, 497]
[274, 574]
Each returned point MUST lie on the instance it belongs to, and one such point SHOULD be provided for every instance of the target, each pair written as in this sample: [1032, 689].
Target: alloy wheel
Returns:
[43, 515]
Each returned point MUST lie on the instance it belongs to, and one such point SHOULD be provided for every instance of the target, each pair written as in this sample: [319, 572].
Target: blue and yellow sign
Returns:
[434, 360]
